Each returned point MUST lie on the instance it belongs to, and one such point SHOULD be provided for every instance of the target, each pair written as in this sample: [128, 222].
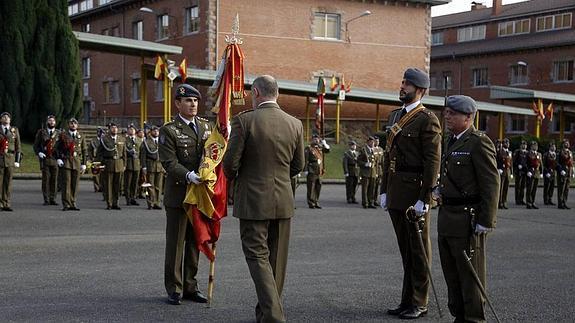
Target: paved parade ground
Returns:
[344, 265]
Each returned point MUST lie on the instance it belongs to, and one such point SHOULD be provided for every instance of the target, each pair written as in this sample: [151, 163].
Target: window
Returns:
[555, 123]
[86, 90]
[105, 1]
[86, 67]
[559, 21]
[192, 23]
[163, 26]
[111, 92]
[480, 77]
[86, 28]
[563, 71]
[437, 38]
[72, 9]
[518, 74]
[471, 33]
[516, 123]
[326, 26]
[138, 30]
[136, 82]
[514, 27]
[159, 90]
[86, 5]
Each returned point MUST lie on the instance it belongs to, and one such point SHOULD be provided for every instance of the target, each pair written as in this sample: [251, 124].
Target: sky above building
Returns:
[456, 6]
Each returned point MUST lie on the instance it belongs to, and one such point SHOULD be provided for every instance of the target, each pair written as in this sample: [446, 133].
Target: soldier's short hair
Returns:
[267, 86]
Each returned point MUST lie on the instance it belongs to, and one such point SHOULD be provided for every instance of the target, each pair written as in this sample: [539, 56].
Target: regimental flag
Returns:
[333, 85]
[319, 114]
[348, 86]
[183, 70]
[538, 109]
[206, 203]
[549, 111]
[159, 70]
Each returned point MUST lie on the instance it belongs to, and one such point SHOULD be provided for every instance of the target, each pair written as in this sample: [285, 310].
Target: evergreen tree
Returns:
[39, 63]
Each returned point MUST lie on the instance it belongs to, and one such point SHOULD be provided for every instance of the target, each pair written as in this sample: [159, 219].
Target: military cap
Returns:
[370, 138]
[50, 116]
[5, 114]
[154, 127]
[417, 77]
[462, 104]
[533, 143]
[112, 124]
[505, 139]
[187, 91]
[523, 142]
[352, 142]
[73, 120]
[315, 135]
[131, 125]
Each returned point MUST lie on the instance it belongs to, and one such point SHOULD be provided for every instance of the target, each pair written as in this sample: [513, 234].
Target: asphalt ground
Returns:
[344, 265]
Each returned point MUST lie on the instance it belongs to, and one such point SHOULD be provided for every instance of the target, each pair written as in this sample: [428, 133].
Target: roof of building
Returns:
[124, 46]
[519, 94]
[513, 43]
[508, 11]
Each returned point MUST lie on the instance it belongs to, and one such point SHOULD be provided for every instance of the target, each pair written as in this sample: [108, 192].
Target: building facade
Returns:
[297, 40]
[528, 45]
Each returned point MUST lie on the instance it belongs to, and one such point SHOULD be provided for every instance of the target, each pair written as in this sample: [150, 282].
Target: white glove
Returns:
[383, 200]
[319, 161]
[368, 164]
[563, 173]
[305, 173]
[548, 175]
[60, 162]
[420, 208]
[500, 171]
[540, 175]
[346, 174]
[144, 170]
[481, 229]
[16, 164]
[325, 145]
[83, 168]
[529, 174]
[511, 176]
[41, 155]
[436, 194]
[520, 166]
[192, 177]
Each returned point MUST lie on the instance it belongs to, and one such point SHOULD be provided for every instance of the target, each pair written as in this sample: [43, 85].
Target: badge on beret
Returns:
[182, 90]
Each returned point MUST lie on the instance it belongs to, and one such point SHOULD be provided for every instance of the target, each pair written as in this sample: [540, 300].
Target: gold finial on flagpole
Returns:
[234, 37]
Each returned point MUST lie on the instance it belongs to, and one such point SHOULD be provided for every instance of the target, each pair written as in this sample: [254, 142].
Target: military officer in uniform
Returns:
[45, 149]
[564, 173]
[504, 166]
[71, 152]
[534, 168]
[152, 168]
[351, 171]
[181, 149]
[133, 166]
[92, 151]
[520, 172]
[368, 173]
[113, 155]
[10, 158]
[315, 168]
[378, 166]
[549, 172]
[265, 150]
[468, 192]
[411, 165]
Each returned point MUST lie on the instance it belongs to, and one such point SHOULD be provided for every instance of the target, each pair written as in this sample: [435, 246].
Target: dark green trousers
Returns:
[350, 187]
[70, 181]
[367, 191]
[313, 189]
[154, 192]
[112, 187]
[49, 183]
[131, 178]
[5, 186]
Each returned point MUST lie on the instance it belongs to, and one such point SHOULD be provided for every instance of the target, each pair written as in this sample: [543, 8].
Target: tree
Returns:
[39, 63]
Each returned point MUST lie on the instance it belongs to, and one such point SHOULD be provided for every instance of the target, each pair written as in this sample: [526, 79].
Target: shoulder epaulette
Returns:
[168, 123]
[203, 119]
[245, 111]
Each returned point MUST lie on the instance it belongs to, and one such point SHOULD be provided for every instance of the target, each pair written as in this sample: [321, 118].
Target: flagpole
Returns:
[338, 108]
[212, 276]
[538, 124]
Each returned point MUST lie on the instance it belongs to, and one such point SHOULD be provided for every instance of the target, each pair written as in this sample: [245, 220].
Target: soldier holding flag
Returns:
[45, 149]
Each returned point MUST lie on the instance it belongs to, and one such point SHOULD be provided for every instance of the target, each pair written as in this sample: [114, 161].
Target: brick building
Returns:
[527, 45]
[296, 40]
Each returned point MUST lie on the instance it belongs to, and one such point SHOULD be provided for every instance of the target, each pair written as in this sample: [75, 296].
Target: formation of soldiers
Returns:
[121, 164]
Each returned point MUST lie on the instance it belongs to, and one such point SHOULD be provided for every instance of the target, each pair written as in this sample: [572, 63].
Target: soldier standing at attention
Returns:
[378, 166]
[411, 166]
[152, 168]
[71, 152]
[92, 151]
[533, 174]
[368, 173]
[45, 149]
[265, 150]
[351, 172]
[549, 170]
[520, 171]
[112, 153]
[315, 167]
[564, 173]
[10, 158]
[504, 166]
[181, 151]
[469, 189]
[133, 166]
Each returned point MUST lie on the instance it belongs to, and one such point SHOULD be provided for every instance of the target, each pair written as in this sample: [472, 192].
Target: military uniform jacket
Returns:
[72, 151]
[550, 163]
[504, 160]
[411, 164]
[112, 154]
[265, 151]
[468, 172]
[367, 157]
[133, 154]
[93, 149]
[10, 147]
[150, 157]
[350, 163]
[44, 142]
[534, 163]
[520, 158]
[378, 154]
[314, 159]
[181, 151]
[565, 162]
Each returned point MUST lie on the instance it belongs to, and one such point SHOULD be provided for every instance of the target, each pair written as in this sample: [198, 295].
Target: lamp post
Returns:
[363, 14]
